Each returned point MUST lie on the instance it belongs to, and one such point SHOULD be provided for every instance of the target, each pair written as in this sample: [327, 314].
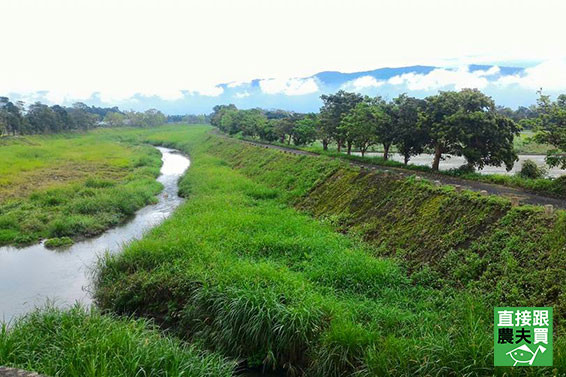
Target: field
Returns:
[72, 185]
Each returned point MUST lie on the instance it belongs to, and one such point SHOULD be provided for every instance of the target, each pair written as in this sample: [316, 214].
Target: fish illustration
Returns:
[523, 354]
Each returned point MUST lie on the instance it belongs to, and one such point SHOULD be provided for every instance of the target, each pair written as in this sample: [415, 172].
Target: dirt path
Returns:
[524, 196]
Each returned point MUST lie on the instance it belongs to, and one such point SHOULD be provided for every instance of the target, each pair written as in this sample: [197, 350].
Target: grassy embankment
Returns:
[86, 344]
[523, 145]
[240, 270]
[72, 185]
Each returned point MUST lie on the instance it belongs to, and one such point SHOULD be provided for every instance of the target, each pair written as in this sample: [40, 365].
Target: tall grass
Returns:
[241, 271]
[72, 185]
[84, 343]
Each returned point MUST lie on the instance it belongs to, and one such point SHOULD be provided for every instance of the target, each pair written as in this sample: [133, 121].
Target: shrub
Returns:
[531, 170]
[53, 243]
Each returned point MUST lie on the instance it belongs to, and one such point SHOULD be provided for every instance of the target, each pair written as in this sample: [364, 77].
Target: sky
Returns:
[175, 54]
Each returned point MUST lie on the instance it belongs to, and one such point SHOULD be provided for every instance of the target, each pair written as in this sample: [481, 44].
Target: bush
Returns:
[530, 170]
[53, 243]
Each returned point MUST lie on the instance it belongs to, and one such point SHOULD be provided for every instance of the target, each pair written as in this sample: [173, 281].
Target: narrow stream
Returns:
[32, 275]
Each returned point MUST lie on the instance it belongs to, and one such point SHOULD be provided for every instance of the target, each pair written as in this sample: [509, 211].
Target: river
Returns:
[32, 275]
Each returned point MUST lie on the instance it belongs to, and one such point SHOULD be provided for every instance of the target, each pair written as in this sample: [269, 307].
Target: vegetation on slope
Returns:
[72, 185]
[80, 343]
[241, 271]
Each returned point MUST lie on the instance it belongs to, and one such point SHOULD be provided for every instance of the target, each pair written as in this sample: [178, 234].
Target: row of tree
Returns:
[465, 123]
[38, 118]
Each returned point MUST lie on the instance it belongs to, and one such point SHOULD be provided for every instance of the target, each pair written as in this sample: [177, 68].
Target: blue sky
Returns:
[186, 56]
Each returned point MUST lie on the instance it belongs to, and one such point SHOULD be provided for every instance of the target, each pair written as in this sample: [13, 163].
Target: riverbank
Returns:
[242, 271]
[72, 185]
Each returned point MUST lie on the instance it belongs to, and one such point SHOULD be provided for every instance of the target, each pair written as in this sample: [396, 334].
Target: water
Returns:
[32, 275]
[452, 162]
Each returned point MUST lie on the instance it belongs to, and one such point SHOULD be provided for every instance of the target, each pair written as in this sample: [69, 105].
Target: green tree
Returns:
[466, 124]
[81, 116]
[334, 107]
[305, 130]
[218, 112]
[11, 119]
[362, 124]
[409, 139]
[114, 119]
[550, 128]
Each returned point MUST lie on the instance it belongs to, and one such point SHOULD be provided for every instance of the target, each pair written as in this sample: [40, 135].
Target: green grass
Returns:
[72, 185]
[54, 243]
[524, 144]
[80, 343]
[241, 271]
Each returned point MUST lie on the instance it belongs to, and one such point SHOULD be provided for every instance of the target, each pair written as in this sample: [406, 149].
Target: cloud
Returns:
[549, 75]
[290, 87]
[445, 78]
[363, 83]
[211, 91]
[235, 84]
[243, 94]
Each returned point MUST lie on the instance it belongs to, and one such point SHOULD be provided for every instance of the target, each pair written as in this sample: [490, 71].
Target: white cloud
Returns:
[235, 84]
[445, 78]
[211, 91]
[549, 75]
[290, 87]
[362, 83]
[243, 94]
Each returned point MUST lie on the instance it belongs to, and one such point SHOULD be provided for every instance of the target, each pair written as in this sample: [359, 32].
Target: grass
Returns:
[241, 271]
[84, 343]
[72, 185]
[54, 243]
[524, 144]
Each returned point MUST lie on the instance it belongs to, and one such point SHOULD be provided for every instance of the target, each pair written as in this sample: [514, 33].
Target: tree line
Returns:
[38, 118]
[463, 123]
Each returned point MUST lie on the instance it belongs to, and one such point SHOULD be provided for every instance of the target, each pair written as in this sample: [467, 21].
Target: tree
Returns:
[82, 117]
[466, 124]
[283, 128]
[40, 118]
[409, 138]
[386, 131]
[335, 106]
[362, 124]
[114, 119]
[11, 119]
[251, 122]
[218, 112]
[305, 130]
[550, 128]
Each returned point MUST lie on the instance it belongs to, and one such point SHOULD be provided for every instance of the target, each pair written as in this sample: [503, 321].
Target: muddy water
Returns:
[32, 275]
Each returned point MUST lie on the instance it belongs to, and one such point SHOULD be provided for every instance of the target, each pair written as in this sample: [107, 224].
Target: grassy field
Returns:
[241, 271]
[72, 185]
[84, 343]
